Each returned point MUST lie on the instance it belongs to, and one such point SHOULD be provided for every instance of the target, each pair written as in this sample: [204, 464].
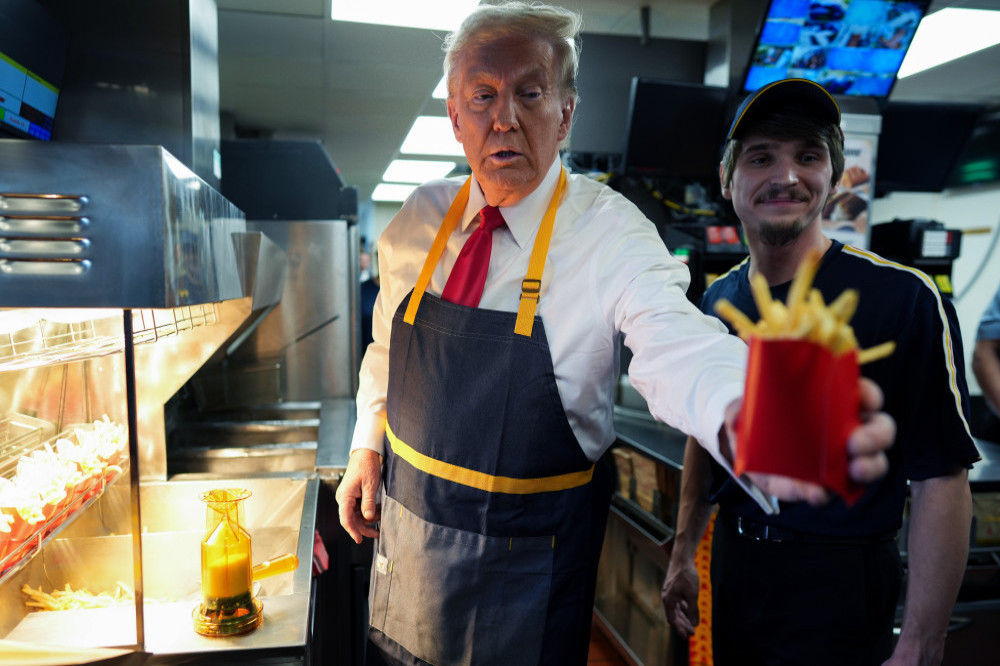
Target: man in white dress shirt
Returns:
[485, 424]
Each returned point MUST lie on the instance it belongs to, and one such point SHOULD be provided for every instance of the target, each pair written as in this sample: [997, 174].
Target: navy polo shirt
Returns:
[923, 382]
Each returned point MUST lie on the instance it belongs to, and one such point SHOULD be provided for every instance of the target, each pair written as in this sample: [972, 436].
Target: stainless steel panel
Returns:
[147, 231]
[311, 336]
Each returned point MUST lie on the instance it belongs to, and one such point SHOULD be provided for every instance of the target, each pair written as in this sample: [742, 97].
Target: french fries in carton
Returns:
[801, 397]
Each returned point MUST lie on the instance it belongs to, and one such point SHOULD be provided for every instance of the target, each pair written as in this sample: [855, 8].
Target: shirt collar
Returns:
[523, 217]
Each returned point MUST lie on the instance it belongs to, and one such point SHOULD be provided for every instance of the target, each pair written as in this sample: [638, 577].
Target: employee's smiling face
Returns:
[779, 187]
[510, 114]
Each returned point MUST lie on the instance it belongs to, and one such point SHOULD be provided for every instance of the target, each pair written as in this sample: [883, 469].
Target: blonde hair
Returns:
[557, 26]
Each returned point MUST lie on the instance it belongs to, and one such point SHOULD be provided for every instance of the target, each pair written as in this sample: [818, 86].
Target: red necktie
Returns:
[465, 284]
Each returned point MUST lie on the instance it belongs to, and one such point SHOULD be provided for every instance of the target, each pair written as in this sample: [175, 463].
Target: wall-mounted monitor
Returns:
[33, 49]
[675, 130]
[851, 47]
[908, 164]
[979, 161]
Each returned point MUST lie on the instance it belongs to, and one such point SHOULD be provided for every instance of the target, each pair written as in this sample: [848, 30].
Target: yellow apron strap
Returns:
[531, 286]
[481, 481]
[451, 220]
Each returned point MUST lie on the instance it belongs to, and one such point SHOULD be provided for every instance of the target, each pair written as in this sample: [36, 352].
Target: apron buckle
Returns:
[531, 288]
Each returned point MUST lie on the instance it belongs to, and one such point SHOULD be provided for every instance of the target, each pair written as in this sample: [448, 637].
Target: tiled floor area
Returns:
[602, 653]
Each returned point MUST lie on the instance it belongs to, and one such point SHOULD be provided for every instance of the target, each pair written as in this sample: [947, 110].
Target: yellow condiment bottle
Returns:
[227, 606]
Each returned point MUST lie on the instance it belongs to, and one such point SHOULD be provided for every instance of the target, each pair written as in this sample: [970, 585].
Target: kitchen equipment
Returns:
[228, 606]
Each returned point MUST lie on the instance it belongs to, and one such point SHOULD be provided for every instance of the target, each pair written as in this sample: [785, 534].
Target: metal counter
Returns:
[985, 474]
[666, 445]
[336, 429]
[657, 440]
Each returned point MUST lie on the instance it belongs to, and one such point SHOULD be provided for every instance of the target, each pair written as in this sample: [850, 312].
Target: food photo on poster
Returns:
[845, 216]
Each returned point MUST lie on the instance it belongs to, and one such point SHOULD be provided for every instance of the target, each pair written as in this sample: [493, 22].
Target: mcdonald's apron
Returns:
[492, 516]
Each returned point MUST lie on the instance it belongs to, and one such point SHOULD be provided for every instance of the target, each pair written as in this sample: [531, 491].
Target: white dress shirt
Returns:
[607, 272]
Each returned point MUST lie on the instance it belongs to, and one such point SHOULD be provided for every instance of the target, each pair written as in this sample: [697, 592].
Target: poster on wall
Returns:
[845, 216]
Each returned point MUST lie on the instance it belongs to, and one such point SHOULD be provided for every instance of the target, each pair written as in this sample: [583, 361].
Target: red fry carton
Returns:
[799, 407]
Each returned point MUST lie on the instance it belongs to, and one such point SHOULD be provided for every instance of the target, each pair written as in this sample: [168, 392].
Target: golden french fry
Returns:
[761, 294]
[825, 326]
[816, 300]
[843, 339]
[876, 352]
[843, 306]
[68, 598]
[744, 327]
[802, 282]
[776, 318]
[806, 315]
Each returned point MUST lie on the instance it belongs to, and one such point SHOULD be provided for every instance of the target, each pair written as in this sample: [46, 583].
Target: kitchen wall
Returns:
[976, 273]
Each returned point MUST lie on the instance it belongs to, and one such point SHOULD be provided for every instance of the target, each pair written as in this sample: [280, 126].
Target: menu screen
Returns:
[27, 101]
[850, 47]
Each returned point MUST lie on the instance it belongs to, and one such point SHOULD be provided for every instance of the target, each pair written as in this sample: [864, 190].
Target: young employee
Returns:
[819, 584]
[489, 385]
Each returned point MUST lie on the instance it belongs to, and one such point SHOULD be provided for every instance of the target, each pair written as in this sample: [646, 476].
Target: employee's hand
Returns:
[680, 597]
[870, 440]
[866, 448]
[356, 494]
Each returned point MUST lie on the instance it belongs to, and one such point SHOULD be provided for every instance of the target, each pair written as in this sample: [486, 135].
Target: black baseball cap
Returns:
[798, 93]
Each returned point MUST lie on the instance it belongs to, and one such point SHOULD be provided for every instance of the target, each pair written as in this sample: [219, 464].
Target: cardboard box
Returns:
[986, 518]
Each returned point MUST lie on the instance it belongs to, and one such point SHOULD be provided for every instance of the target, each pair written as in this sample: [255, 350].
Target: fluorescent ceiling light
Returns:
[437, 15]
[949, 34]
[416, 171]
[441, 90]
[431, 135]
[392, 192]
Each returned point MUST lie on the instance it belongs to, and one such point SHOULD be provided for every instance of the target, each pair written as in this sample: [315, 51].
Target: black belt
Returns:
[751, 529]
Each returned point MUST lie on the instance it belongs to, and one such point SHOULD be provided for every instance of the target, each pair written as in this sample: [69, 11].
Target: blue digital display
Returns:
[851, 47]
[788, 8]
[27, 101]
[33, 50]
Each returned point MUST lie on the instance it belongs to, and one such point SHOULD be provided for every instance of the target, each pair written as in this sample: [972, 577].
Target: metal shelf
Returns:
[40, 338]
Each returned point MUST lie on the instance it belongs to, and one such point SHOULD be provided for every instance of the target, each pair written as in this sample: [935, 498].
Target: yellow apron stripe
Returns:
[488, 482]
[531, 286]
[946, 339]
[451, 220]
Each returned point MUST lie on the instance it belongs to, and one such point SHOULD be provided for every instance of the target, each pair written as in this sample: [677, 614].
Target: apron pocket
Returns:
[454, 597]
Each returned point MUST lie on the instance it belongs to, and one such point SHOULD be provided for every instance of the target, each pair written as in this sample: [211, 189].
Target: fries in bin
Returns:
[801, 397]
